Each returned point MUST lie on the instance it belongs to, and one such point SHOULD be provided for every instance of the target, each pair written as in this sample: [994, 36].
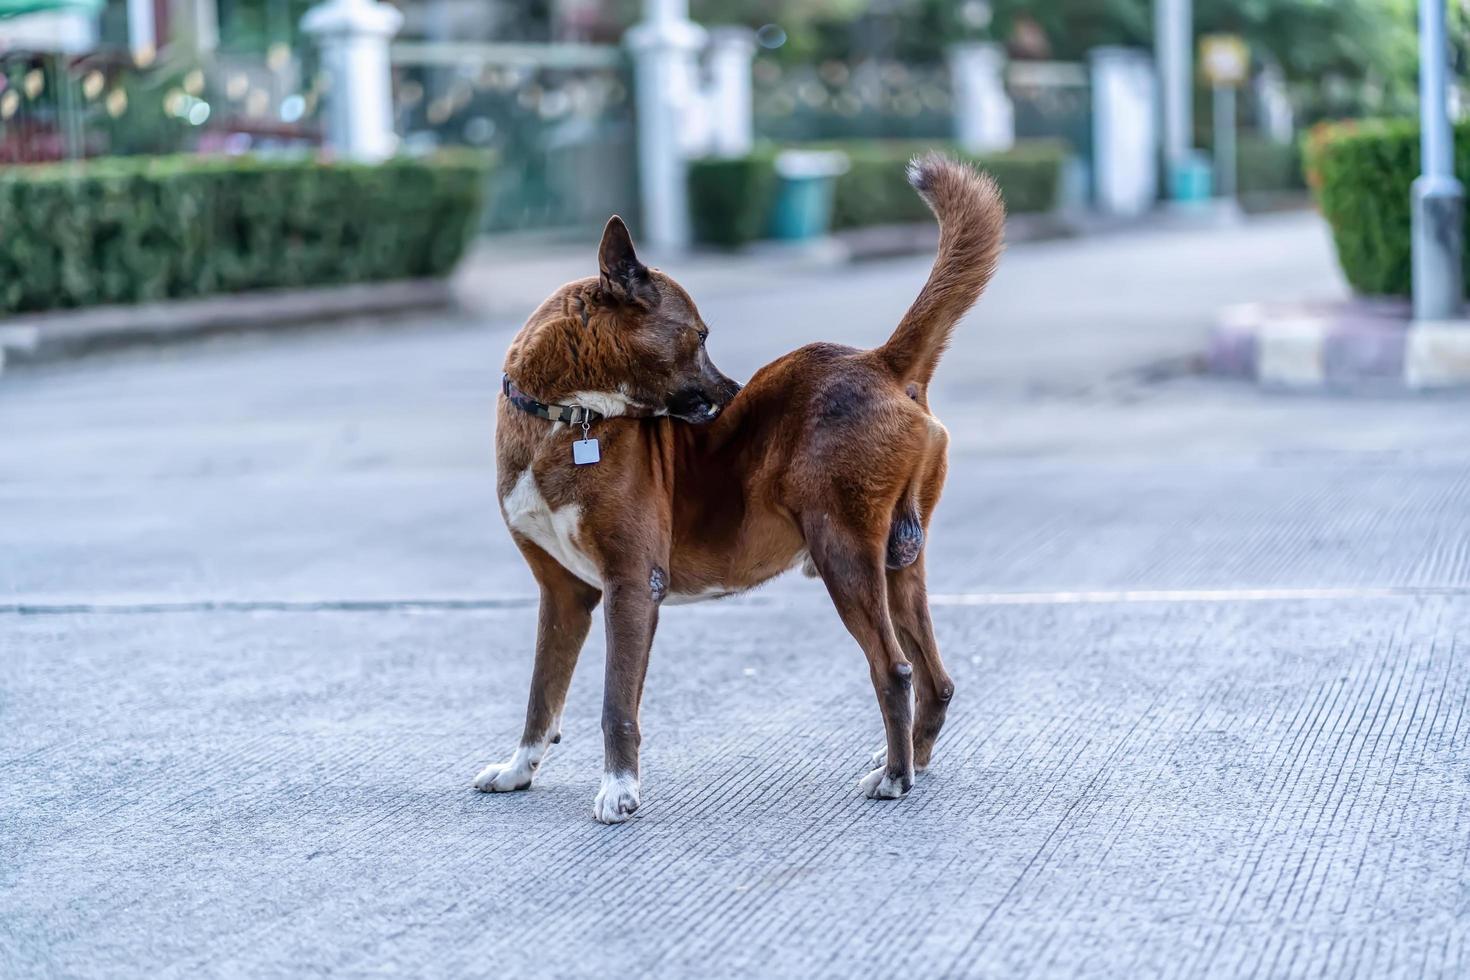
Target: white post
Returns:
[205, 25]
[984, 116]
[142, 31]
[1174, 52]
[1125, 156]
[665, 80]
[353, 36]
[1438, 198]
[728, 99]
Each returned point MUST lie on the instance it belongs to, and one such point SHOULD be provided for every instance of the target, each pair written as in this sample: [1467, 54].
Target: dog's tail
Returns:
[971, 234]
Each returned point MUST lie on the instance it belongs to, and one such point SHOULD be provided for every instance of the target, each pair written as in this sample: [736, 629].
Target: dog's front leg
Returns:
[565, 619]
[630, 603]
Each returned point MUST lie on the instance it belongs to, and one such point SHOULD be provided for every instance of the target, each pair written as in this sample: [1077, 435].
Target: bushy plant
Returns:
[730, 198]
[134, 229]
[1362, 174]
[875, 191]
[1265, 166]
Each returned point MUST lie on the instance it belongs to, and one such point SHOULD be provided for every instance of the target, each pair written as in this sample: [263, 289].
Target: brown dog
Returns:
[829, 456]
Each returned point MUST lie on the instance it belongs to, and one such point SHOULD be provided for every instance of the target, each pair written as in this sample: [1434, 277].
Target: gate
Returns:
[1053, 100]
[557, 118]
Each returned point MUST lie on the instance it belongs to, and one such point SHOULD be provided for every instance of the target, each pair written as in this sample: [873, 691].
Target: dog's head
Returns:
[660, 333]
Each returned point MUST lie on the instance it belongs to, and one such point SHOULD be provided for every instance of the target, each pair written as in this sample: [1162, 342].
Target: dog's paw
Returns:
[505, 777]
[617, 798]
[878, 785]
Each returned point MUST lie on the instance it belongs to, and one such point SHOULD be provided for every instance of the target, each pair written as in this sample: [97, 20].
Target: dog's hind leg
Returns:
[908, 596]
[851, 566]
[908, 603]
[565, 618]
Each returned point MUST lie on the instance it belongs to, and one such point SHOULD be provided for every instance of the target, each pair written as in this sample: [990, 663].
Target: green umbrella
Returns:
[15, 8]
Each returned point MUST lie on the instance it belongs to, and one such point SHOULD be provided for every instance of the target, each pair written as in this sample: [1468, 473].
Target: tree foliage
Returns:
[1309, 39]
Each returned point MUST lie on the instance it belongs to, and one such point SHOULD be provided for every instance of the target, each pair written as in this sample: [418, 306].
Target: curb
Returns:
[1351, 345]
[71, 333]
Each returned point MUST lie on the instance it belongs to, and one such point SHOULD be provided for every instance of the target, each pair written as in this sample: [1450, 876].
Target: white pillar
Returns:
[204, 23]
[1174, 52]
[727, 99]
[984, 116]
[1438, 198]
[142, 31]
[353, 36]
[666, 85]
[1124, 134]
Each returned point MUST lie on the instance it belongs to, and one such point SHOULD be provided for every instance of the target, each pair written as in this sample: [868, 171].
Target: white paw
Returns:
[877, 785]
[880, 760]
[503, 777]
[617, 798]
[507, 777]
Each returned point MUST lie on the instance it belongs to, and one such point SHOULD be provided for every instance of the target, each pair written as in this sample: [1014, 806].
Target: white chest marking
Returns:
[555, 531]
[608, 404]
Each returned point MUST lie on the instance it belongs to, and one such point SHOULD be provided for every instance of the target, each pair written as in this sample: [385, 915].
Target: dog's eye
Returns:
[703, 335]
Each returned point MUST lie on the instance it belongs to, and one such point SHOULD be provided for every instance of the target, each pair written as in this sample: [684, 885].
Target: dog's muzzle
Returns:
[698, 406]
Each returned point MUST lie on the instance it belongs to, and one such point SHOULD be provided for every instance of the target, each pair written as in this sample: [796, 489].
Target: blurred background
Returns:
[1200, 570]
[1071, 101]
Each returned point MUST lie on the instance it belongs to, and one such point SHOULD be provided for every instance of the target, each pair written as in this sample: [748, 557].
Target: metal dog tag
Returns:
[585, 451]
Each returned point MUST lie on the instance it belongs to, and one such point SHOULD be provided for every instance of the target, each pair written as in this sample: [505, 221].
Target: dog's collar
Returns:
[570, 414]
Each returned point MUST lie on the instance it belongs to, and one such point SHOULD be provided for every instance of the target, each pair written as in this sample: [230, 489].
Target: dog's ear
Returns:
[623, 278]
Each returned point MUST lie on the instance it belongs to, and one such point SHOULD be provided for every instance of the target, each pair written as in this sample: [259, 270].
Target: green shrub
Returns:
[1267, 167]
[135, 229]
[874, 191]
[730, 197]
[1362, 174]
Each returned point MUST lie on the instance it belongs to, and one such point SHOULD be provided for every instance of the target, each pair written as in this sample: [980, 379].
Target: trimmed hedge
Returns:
[875, 190]
[1267, 167]
[136, 229]
[730, 198]
[1362, 174]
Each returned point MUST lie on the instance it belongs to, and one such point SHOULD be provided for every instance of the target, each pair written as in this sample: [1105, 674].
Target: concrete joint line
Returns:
[1062, 598]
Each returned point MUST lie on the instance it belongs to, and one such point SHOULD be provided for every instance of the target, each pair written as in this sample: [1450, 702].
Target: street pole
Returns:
[1438, 198]
[1174, 54]
[1224, 113]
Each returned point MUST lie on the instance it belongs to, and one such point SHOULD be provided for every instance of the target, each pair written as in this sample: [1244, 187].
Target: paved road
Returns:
[262, 626]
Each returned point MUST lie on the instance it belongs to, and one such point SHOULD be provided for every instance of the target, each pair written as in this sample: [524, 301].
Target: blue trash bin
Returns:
[806, 181]
[1192, 182]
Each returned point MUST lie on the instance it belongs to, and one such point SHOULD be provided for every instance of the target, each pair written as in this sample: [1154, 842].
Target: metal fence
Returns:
[1053, 101]
[841, 100]
[558, 119]
[57, 107]
[893, 100]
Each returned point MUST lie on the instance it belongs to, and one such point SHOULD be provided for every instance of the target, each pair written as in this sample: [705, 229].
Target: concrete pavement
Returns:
[261, 626]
